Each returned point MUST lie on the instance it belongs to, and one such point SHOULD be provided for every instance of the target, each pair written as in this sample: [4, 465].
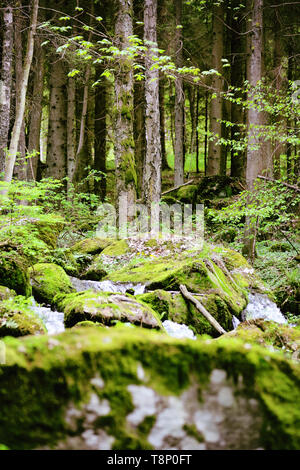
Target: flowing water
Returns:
[107, 286]
[53, 321]
[259, 306]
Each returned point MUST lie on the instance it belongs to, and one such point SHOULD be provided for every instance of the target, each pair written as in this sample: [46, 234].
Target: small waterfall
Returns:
[235, 322]
[178, 331]
[260, 306]
[53, 321]
[107, 286]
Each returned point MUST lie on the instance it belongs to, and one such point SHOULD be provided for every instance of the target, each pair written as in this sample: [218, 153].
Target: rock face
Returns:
[128, 388]
[49, 279]
[106, 308]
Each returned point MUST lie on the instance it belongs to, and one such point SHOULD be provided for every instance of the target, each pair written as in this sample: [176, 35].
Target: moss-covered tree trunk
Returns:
[126, 178]
[152, 170]
[215, 112]
[57, 131]
[71, 128]
[6, 79]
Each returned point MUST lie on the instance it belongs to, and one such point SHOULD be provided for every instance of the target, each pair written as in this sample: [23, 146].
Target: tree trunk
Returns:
[215, 113]
[35, 118]
[14, 143]
[126, 179]
[152, 171]
[179, 101]
[164, 161]
[139, 133]
[100, 136]
[20, 168]
[71, 129]
[83, 159]
[6, 80]
[57, 131]
[254, 119]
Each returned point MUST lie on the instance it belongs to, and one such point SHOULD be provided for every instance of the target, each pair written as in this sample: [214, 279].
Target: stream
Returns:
[259, 306]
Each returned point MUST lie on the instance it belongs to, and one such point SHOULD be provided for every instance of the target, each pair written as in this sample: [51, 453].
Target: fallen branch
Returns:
[201, 309]
[291, 186]
[177, 187]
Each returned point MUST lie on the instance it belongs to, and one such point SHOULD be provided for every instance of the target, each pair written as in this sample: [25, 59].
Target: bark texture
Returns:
[215, 112]
[6, 80]
[57, 131]
[152, 170]
[179, 101]
[126, 179]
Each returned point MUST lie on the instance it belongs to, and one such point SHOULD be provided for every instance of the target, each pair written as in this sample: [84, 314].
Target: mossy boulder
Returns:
[91, 246]
[126, 389]
[14, 270]
[16, 319]
[172, 306]
[212, 270]
[118, 248]
[106, 308]
[6, 293]
[49, 279]
[270, 335]
[187, 194]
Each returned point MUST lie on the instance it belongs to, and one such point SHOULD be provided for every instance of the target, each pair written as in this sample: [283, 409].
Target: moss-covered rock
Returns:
[187, 194]
[126, 389]
[106, 308]
[217, 271]
[173, 306]
[91, 246]
[270, 335]
[6, 293]
[49, 279]
[117, 248]
[16, 319]
[14, 270]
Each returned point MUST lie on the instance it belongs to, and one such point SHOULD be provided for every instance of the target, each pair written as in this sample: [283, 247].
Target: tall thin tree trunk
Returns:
[254, 120]
[20, 170]
[164, 164]
[71, 129]
[152, 171]
[100, 137]
[57, 131]
[179, 101]
[126, 179]
[139, 133]
[14, 143]
[35, 118]
[6, 80]
[215, 114]
[238, 157]
[196, 130]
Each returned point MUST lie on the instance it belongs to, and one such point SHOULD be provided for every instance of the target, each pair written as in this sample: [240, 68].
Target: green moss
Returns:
[87, 324]
[117, 248]
[16, 319]
[91, 246]
[187, 193]
[49, 279]
[47, 382]
[14, 272]
[6, 293]
[192, 431]
[106, 308]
